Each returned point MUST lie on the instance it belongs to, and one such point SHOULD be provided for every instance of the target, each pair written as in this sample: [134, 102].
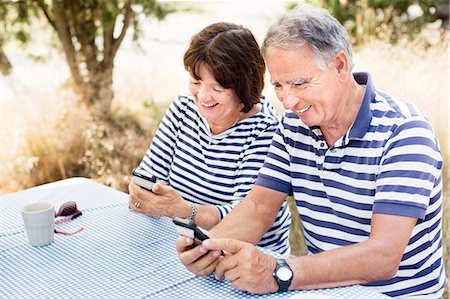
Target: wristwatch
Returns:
[283, 275]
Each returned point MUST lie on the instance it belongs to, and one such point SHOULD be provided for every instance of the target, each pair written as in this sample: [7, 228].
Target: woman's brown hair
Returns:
[233, 56]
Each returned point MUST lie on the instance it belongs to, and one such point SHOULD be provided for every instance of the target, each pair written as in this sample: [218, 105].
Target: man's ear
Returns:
[341, 63]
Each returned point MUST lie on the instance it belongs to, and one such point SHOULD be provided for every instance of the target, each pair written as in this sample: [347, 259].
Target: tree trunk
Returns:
[5, 64]
[99, 92]
[77, 24]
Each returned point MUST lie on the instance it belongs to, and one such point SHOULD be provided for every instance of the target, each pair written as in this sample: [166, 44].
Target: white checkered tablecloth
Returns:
[120, 254]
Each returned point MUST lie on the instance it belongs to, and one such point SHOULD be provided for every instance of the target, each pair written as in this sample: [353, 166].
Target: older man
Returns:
[363, 166]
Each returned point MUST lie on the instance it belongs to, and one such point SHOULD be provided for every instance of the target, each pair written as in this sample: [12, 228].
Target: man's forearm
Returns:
[375, 259]
[252, 217]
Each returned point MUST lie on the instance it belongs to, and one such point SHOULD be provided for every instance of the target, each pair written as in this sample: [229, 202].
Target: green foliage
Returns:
[93, 15]
[382, 19]
[89, 32]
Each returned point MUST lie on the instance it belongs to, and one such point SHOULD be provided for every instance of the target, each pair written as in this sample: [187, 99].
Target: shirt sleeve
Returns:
[158, 159]
[410, 168]
[275, 173]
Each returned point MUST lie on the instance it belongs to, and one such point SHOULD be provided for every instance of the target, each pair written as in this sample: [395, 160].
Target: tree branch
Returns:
[63, 31]
[126, 23]
[82, 31]
[44, 9]
[108, 39]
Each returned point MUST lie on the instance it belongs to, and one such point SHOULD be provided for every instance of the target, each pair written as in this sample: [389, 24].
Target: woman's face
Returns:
[220, 106]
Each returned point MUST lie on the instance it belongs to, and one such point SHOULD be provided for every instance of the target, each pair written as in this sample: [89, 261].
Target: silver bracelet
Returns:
[193, 212]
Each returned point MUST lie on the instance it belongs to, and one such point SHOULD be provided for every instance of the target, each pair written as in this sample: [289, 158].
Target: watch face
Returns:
[284, 274]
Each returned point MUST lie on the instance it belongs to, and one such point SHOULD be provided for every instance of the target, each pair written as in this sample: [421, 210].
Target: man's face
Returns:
[312, 93]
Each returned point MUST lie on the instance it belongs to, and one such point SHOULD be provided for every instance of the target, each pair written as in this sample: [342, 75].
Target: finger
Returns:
[232, 275]
[131, 189]
[161, 188]
[183, 243]
[229, 245]
[133, 199]
[198, 260]
[203, 268]
[137, 204]
[131, 203]
[140, 192]
[225, 265]
[187, 252]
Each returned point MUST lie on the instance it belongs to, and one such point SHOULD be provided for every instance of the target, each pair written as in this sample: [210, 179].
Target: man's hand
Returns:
[198, 260]
[244, 266]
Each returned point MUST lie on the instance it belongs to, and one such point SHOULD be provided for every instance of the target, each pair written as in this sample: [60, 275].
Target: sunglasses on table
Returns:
[67, 211]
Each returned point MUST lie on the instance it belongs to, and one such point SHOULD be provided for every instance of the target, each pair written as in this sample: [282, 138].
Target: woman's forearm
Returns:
[207, 216]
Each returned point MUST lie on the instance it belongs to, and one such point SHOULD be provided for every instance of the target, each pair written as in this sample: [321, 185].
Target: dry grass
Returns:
[39, 141]
[52, 137]
[415, 74]
[419, 75]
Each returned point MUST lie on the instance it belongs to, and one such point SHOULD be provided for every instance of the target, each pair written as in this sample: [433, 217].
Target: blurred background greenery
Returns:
[84, 83]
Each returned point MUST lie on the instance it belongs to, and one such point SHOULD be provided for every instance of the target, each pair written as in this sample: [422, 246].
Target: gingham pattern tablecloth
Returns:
[120, 254]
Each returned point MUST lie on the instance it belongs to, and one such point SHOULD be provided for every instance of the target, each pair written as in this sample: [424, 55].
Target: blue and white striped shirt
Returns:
[388, 162]
[216, 169]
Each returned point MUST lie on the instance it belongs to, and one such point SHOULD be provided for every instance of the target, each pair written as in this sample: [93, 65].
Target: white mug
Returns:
[39, 221]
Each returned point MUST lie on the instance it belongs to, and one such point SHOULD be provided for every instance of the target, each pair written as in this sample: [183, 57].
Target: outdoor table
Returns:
[119, 254]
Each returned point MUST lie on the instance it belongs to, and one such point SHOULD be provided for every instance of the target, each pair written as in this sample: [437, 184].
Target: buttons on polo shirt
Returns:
[322, 144]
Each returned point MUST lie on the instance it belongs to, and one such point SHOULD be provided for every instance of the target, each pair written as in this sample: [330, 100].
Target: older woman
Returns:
[211, 143]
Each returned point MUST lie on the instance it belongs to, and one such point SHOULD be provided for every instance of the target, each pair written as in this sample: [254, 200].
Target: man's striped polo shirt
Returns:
[388, 162]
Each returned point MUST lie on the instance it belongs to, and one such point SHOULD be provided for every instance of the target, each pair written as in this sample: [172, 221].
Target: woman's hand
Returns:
[162, 201]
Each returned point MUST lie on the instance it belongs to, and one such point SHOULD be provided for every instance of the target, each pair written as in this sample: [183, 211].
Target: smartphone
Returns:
[187, 228]
[143, 181]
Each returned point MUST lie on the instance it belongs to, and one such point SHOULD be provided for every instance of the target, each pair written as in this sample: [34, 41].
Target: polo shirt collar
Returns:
[364, 117]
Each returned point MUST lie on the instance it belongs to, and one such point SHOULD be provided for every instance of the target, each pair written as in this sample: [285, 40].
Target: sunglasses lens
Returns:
[67, 208]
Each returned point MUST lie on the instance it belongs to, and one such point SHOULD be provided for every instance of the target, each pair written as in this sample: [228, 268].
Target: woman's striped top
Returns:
[388, 162]
[217, 169]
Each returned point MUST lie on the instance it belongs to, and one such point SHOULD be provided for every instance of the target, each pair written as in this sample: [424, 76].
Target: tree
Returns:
[90, 33]
[5, 64]
[390, 20]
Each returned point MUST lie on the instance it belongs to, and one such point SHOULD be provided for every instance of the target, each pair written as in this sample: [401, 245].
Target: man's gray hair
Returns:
[313, 26]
